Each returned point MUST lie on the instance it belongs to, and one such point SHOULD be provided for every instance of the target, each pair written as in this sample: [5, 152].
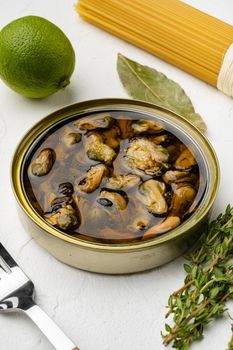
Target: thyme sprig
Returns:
[207, 285]
[230, 344]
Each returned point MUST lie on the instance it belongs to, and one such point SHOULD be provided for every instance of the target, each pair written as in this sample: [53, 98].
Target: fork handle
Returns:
[53, 333]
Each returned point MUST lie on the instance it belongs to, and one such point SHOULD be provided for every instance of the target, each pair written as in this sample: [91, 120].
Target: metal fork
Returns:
[16, 294]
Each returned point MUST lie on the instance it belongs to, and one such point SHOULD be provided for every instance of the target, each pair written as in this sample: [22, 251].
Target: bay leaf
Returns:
[147, 84]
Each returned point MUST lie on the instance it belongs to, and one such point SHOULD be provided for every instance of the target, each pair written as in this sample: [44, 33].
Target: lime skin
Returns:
[36, 57]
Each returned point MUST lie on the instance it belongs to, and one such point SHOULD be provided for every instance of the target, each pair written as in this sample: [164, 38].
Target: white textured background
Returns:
[100, 312]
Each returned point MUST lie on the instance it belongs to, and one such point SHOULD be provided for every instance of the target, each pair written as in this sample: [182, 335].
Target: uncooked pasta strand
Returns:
[164, 54]
[205, 29]
[169, 29]
[158, 37]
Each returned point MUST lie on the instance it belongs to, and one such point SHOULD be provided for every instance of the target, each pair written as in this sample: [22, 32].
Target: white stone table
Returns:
[100, 312]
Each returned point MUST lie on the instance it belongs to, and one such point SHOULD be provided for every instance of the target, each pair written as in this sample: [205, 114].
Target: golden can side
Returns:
[110, 261]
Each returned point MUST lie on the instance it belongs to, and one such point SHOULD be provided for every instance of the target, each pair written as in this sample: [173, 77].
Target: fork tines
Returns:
[6, 260]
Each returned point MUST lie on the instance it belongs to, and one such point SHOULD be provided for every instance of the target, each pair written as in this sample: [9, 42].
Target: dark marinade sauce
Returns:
[114, 177]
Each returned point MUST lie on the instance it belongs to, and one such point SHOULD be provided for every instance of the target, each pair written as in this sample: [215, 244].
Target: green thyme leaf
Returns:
[214, 292]
[167, 327]
[187, 268]
[230, 344]
[147, 84]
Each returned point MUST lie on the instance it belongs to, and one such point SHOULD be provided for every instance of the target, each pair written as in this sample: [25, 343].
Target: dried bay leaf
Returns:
[147, 84]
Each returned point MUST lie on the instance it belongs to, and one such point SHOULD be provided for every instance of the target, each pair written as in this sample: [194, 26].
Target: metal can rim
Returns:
[88, 106]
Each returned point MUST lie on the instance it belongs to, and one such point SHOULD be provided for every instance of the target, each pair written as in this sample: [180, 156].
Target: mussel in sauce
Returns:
[185, 160]
[92, 179]
[43, 163]
[100, 121]
[126, 181]
[112, 137]
[66, 188]
[72, 138]
[164, 226]
[177, 176]
[183, 197]
[164, 139]
[152, 195]
[146, 126]
[97, 150]
[118, 178]
[64, 217]
[110, 198]
[125, 126]
[144, 155]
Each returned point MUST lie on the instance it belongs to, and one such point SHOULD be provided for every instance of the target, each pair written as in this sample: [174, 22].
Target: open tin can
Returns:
[115, 258]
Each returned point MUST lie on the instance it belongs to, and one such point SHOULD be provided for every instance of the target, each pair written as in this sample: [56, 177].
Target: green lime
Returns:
[36, 57]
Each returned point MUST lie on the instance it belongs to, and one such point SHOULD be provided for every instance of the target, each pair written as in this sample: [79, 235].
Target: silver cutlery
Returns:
[16, 294]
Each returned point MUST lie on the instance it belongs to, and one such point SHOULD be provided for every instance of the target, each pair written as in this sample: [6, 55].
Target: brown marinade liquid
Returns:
[94, 215]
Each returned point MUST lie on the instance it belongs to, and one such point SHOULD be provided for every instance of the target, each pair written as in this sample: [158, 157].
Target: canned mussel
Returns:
[114, 177]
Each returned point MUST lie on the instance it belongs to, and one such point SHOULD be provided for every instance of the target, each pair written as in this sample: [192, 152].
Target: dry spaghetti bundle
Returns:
[172, 30]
